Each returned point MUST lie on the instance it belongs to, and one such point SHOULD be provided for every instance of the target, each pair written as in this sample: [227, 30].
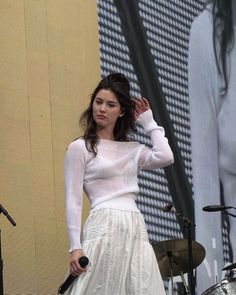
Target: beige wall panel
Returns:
[15, 141]
[12, 37]
[15, 187]
[19, 254]
[64, 125]
[37, 48]
[90, 50]
[14, 105]
[42, 158]
[64, 130]
[14, 127]
[47, 262]
[81, 57]
[59, 185]
[61, 253]
[40, 129]
[56, 49]
[49, 56]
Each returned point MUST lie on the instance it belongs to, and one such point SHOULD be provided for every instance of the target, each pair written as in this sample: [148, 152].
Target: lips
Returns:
[101, 117]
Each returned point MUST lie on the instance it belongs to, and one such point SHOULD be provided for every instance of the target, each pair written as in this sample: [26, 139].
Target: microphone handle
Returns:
[83, 261]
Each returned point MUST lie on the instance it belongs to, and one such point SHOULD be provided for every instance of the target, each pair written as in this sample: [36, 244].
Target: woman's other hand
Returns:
[141, 106]
[75, 268]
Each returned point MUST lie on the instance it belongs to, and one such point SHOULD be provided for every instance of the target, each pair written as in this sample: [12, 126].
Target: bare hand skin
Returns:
[75, 268]
[141, 106]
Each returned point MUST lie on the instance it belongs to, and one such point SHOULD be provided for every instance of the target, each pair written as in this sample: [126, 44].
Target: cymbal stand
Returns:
[184, 283]
[228, 213]
[4, 211]
[1, 268]
[189, 224]
[171, 260]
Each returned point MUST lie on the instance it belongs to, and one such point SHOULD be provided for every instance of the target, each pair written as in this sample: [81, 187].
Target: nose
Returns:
[103, 107]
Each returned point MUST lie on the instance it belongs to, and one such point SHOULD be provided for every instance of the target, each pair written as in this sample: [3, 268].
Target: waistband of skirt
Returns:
[126, 203]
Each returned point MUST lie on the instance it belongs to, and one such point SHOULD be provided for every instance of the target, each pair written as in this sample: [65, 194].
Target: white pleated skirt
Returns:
[122, 261]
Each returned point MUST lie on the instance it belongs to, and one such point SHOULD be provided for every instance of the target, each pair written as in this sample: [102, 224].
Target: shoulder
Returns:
[77, 147]
[202, 23]
[201, 49]
[77, 144]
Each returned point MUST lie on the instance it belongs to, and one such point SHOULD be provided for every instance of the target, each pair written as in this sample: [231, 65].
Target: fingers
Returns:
[142, 103]
[75, 267]
[145, 101]
[141, 106]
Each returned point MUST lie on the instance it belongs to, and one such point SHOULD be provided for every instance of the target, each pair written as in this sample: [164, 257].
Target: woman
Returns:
[212, 88]
[105, 164]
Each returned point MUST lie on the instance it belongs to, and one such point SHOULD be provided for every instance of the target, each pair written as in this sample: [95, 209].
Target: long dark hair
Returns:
[119, 85]
[222, 33]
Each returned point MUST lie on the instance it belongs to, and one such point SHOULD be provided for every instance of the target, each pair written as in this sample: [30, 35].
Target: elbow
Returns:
[171, 158]
[168, 159]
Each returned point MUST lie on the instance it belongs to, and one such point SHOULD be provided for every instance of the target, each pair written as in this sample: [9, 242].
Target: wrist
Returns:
[147, 121]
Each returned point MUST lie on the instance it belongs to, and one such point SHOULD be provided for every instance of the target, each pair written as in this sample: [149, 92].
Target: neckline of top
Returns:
[113, 141]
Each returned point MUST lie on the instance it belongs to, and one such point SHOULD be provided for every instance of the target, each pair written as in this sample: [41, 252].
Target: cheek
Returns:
[116, 114]
[94, 108]
[94, 112]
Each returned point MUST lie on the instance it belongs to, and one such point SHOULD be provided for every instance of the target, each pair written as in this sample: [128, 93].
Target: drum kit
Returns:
[180, 256]
[172, 257]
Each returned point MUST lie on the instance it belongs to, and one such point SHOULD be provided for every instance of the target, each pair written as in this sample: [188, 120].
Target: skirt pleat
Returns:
[122, 261]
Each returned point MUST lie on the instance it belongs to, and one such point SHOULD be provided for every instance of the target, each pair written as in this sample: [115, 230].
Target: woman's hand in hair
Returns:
[75, 268]
[141, 106]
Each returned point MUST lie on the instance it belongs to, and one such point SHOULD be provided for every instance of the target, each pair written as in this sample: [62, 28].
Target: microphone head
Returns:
[83, 261]
[213, 208]
[167, 208]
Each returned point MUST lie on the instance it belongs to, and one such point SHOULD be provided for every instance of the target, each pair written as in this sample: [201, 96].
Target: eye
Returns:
[111, 105]
[98, 101]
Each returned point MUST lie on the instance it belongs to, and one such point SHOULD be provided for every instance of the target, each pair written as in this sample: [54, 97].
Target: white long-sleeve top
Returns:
[110, 178]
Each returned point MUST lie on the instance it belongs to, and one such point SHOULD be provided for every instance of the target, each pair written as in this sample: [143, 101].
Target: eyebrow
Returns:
[109, 101]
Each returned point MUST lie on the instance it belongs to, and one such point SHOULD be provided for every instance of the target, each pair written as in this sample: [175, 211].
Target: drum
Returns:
[227, 286]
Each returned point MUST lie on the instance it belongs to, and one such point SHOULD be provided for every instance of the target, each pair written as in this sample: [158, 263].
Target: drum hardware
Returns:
[189, 225]
[173, 259]
[229, 274]
[230, 270]
[229, 267]
[227, 286]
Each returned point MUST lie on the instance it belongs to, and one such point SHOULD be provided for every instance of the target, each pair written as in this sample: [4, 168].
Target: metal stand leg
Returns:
[12, 221]
[171, 271]
[185, 285]
[1, 268]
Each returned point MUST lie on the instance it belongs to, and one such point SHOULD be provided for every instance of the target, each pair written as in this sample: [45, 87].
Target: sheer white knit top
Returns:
[110, 178]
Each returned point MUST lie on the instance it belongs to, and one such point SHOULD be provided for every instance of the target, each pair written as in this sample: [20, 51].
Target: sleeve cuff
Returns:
[147, 121]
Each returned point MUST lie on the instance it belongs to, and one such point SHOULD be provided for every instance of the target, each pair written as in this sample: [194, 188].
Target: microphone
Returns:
[214, 208]
[4, 211]
[169, 208]
[83, 261]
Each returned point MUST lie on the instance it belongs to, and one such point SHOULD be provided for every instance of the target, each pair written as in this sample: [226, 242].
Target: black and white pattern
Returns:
[167, 25]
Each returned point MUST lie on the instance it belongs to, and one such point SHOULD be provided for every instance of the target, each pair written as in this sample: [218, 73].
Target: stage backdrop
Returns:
[49, 57]
[148, 40]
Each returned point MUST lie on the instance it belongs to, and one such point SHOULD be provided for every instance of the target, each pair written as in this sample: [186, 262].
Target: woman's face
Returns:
[106, 109]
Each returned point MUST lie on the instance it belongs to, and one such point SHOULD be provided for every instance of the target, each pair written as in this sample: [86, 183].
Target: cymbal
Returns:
[229, 267]
[178, 250]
